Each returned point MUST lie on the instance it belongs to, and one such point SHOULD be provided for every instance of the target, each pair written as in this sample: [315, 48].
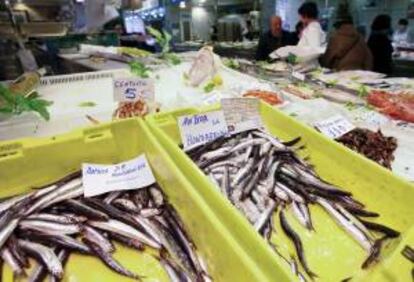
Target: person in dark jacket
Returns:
[272, 40]
[380, 44]
[346, 49]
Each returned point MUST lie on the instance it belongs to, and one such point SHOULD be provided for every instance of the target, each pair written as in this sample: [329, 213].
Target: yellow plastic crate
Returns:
[33, 162]
[330, 251]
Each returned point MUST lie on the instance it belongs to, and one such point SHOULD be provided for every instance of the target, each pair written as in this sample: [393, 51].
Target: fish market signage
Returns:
[133, 89]
[99, 179]
[201, 128]
[335, 126]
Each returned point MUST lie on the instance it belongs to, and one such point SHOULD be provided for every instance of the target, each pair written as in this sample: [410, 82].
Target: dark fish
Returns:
[129, 242]
[297, 242]
[10, 260]
[292, 142]
[80, 208]
[389, 232]
[109, 260]
[62, 241]
[408, 253]
[374, 254]
[38, 274]
[360, 212]
[63, 256]
[94, 235]
[125, 205]
[17, 252]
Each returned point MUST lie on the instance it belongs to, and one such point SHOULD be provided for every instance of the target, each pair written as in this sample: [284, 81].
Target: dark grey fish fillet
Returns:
[80, 208]
[297, 242]
[109, 260]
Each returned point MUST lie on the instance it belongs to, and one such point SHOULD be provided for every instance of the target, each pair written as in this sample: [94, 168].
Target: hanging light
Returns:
[182, 5]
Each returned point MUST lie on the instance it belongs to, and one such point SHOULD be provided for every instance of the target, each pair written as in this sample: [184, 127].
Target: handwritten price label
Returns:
[241, 113]
[132, 89]
[202, 128]
[335, 126]
[99, 179]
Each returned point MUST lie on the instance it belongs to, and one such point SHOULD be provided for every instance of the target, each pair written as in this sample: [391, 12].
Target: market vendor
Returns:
[401, 35]
[273, 39]
[347, 49]
[312, 34]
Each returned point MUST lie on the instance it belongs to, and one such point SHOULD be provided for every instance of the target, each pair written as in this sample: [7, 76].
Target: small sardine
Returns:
[52, 228]
[94, 235]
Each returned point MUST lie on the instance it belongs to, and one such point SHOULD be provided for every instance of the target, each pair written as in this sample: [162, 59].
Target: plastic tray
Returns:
[330, 252]
[33, 162]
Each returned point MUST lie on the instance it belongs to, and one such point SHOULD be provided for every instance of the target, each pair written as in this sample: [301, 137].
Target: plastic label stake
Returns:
[202, 128]
[334, 127]
[133, 89]
[133, 174]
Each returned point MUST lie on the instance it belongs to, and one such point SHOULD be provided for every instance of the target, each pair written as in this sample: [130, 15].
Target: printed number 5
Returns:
[130, 93]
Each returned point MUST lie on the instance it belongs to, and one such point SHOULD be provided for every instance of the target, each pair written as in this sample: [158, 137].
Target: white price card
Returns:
[241, 113]
[133, 174]
[202, 128]
[133, 88]
[334, 127]
[299, 76]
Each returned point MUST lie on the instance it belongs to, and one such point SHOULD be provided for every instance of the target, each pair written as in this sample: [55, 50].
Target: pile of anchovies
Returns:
[262, 175]
[50, 223]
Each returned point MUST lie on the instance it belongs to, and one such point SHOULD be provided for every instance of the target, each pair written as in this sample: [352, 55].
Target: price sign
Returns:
[241, 113]
[133, 88]
[202, 128]
[335, 126]
[299, 76]
[99, 179]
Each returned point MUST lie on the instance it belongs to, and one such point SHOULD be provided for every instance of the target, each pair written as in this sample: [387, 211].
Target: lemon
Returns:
[217, 80]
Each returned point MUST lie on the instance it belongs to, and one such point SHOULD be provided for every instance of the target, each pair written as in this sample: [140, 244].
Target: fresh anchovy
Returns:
[112, 196]
[357, 234]
[7, 230]
[63, 256]
[38, 274]
[132, 243]
[16, 251]
[109, 260]
[171, 271]
[179, 256]
[94, 235]
[126, 205]
[300, 216]
[297, 242]
[47, 199]
[8, 257]
[148, 227]
[374, 253]
[264, 217]
[150, 212]
[64, 219]
[408, 253]
[44, 255]
[82, 209]
[62, 241]
[9, 203]
[361, 212]
[306, 213]
[51, 228]
[391, 233]
[121, 228]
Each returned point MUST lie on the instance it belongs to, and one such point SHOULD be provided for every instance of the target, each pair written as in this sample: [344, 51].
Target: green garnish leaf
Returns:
[139, 69]
[87, 104]
[209, 87]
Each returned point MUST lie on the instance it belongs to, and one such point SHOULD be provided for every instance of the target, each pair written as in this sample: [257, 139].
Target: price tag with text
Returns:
[299, 76]
[335, 126]
[241, 113]
[133, 174]
[133, 89]
[202, 128]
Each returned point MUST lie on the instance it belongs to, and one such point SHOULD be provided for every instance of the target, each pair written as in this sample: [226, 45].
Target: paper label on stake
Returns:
[299, 76]
[335, 126]
[133, 89]
[241, 113]
[133, 174]
[202, 128]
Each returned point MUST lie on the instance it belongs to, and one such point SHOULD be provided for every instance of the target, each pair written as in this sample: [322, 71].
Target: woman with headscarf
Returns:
[380, 44]
[347, 49]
